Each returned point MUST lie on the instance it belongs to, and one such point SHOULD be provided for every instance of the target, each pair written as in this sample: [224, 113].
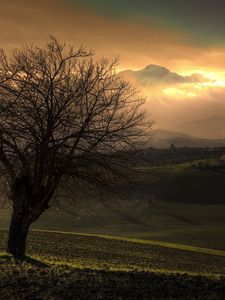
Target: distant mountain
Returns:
[207, 128]
[154, 75]
[166, 134]
[190, 114]
[164, 138]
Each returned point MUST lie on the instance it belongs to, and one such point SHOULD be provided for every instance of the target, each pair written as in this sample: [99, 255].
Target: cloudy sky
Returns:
[179, 34]
[184, 36]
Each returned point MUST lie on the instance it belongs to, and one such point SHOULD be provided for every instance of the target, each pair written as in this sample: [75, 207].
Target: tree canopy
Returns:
[62, 113]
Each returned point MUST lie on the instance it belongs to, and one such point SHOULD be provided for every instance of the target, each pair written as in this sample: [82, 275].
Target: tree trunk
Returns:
[17, 238]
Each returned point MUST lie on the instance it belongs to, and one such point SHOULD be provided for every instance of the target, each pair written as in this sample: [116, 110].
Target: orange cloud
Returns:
[137, 45]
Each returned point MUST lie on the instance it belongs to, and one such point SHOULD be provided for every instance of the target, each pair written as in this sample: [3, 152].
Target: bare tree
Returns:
[62, 115]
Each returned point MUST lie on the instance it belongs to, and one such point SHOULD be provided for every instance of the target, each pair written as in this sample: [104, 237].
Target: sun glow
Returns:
[179, 92]
[213, 80]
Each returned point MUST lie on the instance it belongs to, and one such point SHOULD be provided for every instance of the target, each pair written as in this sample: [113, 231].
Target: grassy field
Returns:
[168, 204]
[74, 266]
[161, 239]
[197, 182]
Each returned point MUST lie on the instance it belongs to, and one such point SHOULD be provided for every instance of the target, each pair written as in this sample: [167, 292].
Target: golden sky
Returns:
[184, 38]
[137, 43]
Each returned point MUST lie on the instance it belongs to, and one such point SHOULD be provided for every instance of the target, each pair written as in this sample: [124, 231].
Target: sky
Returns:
[179, 34]
[185, 36]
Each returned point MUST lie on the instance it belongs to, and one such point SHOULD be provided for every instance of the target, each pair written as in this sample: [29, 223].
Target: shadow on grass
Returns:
[34, 262]
[5, 257]
[70, 283]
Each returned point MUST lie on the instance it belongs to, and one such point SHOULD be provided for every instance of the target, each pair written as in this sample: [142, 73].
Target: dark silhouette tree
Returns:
[62, 115]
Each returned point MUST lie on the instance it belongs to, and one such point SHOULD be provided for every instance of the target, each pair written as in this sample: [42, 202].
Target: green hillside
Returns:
[182, 203]
[161, 238]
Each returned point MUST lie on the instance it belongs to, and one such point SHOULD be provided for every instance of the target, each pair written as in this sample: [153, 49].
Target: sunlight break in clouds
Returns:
[177, 99]
[183, 91]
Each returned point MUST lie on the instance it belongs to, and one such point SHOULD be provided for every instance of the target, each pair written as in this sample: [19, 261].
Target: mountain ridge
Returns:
[154, 74]
[163, 138]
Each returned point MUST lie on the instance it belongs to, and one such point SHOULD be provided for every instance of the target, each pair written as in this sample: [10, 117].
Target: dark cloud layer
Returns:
[202, 20]
[137, 38]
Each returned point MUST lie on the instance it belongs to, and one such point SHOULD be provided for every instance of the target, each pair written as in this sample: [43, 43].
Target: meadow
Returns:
[74, 266]
[179, 203]
[161, 239]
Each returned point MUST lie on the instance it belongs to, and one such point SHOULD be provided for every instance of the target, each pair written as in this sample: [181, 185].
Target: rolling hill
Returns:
[207, 127]
[164, 138]
[179, 203]
[160, 239]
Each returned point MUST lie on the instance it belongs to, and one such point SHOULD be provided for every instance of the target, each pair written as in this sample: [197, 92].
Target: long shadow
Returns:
[127, 217]
[4, 258]
[35, 262]
[175, 216]
[89, 284]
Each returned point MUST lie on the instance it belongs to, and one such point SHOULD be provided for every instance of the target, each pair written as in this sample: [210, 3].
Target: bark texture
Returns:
[17, 238]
